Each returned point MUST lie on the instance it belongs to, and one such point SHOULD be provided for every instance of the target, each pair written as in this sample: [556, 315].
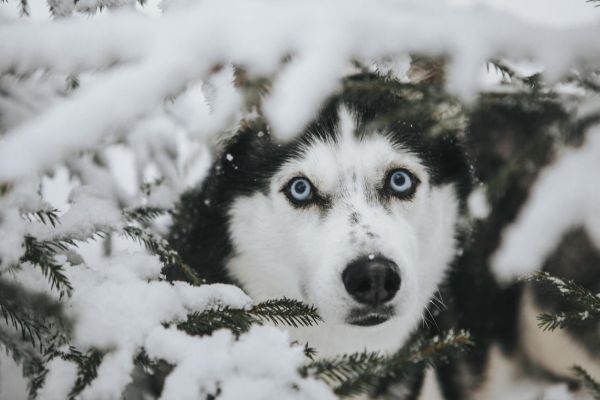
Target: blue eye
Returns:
[299, 190]
[401, 182]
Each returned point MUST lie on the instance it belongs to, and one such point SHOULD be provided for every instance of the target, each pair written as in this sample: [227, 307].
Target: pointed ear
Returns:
[450, 156]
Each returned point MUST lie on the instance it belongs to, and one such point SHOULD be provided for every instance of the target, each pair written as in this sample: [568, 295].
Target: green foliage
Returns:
[372, 373]
[279, 312]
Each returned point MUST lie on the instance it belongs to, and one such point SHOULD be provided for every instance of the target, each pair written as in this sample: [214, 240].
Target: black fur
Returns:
[247, 163]
[509, 144]
[199, 232]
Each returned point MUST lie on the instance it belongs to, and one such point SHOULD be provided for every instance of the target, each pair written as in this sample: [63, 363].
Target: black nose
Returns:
[372, 280]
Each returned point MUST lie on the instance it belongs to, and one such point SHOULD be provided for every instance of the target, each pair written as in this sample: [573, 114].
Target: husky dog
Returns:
[357, 216]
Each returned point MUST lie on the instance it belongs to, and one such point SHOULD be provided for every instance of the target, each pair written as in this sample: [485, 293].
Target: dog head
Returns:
[356, 216]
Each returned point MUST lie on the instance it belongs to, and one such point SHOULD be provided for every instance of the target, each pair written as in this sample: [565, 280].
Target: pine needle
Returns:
[144, 215]
[587, 301]
[592, 385]
[159, 246]
[279, 312]
[42, 255]
[372, 373]
[49, 216]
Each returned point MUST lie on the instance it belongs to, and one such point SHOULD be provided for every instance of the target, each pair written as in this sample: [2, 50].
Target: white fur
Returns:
[280, 250]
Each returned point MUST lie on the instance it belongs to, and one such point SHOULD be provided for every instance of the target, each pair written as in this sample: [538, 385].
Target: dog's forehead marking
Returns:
[351, 164]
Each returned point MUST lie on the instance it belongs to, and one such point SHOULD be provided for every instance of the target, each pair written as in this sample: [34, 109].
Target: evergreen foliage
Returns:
[279, 312]
[590, 383]
[44, 331]
[586, 302]
[34, 329]
[587, 308]
[372, 373]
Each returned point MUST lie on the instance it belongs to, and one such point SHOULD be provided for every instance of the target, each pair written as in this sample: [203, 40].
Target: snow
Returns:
[477, 203]
[90, 212]
[260, 365]
[565, 196]
[12, 231]
[59, 381]
[156, 99]
[114, 374]
[117, 307]
[154, 58]
[121, 306]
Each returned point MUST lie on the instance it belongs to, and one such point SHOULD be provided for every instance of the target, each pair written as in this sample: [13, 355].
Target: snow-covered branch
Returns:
[565, 197]
[150, 59]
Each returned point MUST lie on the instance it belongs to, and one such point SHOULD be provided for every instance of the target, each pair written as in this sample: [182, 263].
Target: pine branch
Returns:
[28, 327]
[159, 246]
[371, 373]
[283, 311]
[42, 254]
[551, 322]
[344, 368]
[87, 368]
[204, 323]
[37, 371]
[309, 352]
[575, 293]
[49, 216]
[144, 215]
[31, 314]
[25, 354]
[592, 385]
[508, 74]
[21, 351]
[439, 349]
[286, 312]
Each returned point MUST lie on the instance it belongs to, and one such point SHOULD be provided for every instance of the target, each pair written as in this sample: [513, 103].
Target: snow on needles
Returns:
[565, 196]
[260, 365]
[154, 58]
[117, 308]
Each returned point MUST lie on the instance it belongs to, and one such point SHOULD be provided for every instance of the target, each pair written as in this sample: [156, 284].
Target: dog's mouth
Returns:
[370, 316]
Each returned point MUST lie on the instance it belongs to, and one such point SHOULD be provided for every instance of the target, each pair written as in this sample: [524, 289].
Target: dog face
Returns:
[352, 222]
[356, 216]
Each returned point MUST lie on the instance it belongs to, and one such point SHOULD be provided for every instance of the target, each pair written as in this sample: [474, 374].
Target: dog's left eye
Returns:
[401, 183]
[299, 190]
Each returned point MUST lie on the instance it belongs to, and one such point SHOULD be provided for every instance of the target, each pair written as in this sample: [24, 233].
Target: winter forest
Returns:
[112, 110]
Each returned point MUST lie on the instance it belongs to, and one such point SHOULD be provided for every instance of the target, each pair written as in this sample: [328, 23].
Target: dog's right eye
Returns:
[299, 190]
